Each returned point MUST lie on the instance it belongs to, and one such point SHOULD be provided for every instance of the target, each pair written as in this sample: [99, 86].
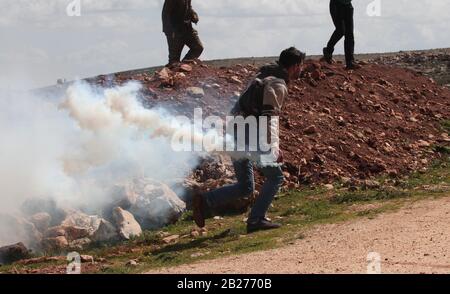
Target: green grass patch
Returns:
[446, 125]
[370, 195]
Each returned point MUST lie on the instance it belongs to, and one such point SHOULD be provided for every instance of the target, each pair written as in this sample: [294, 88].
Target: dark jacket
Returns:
[178, 15]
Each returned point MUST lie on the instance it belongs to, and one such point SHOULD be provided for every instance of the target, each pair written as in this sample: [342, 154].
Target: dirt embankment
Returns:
[337, 125]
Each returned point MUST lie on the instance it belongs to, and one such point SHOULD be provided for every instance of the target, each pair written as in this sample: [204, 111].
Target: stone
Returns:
[310, 130]
[15, 229]
[423, 144]
[73, 233]
[164, 74]
[70, 232]
[203, 232]
[235, 80]
[327, 110]
[392, 173]
[195, 92]
[33, 206]
[80, 244]
[185, 67]
[55, 232]
[79, 219]
[41, 221]
[385, 83]
[317, 75]
[86, 259]
[106, 232]
[165, 77]
[371, 184]
[132, 263]
[346, 181]
[156, 204]
[12, 253]
[329, 187]
[126, 224]
[55, 244]
[341, 121]
[171, 239]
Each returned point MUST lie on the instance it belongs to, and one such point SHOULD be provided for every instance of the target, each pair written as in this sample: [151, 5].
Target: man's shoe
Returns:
[327, 56]
[173, 65]
[198, 208]
[353, 66]
[261, 225]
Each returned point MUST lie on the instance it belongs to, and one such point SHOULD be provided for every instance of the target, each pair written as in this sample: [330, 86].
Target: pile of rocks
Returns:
[45, 226]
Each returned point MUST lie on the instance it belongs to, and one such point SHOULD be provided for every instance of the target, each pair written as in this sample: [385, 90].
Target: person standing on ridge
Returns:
[177, 19]
[342, 14]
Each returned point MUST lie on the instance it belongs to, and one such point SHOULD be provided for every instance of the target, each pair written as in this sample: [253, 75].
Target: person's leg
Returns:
[243, 188]
[274, 180]
[175, 44]
[349, 35]
[192, 40]
[339, 27]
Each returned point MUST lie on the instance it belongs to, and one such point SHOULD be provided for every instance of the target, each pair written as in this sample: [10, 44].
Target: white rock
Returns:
[79, 219]
[329, 187]
[156, 204]
[105, 232]
[126, 224]
[195, 92]
[41, 221]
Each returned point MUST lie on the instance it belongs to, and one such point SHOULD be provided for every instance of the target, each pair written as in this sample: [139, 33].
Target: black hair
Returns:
[290, 57]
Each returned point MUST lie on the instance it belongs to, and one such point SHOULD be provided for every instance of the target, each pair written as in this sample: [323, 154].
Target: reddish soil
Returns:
[336, 124]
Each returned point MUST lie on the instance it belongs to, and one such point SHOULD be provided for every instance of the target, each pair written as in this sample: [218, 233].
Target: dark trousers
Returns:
[342, 16]
[245, 186]
[177, 40]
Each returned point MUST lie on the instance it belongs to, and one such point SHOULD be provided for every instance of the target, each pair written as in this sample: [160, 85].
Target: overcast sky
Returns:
[40, 43]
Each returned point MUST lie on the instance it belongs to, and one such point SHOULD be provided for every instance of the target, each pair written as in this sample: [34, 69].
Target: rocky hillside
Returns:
[338, 125]
[432, 63]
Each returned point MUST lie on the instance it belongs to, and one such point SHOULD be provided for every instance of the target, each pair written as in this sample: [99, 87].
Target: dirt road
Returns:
[415, 239]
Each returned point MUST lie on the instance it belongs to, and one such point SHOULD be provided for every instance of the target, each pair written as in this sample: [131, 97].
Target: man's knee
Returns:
[197, 46]
[246, 189]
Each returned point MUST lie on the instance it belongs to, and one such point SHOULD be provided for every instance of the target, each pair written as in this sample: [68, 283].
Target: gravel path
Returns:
[415, 239]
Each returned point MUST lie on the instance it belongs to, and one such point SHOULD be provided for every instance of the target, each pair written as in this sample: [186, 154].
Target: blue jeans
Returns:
[245, 186]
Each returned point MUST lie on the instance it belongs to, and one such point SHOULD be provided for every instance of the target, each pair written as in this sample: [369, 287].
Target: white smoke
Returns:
[76, 148]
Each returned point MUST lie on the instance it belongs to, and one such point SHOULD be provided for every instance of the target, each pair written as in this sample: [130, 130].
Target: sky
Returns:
[40, 42]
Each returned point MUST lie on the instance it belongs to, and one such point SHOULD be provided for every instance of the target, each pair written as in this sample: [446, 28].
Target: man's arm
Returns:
[274, 96]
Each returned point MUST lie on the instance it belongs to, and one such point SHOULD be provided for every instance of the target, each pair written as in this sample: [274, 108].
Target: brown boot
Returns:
[198, 208]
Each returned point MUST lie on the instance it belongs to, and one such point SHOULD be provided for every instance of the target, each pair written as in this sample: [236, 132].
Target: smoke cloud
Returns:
[77, 147]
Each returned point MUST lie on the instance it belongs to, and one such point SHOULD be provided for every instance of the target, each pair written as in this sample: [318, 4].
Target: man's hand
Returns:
[195, 18]
[280, 157]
